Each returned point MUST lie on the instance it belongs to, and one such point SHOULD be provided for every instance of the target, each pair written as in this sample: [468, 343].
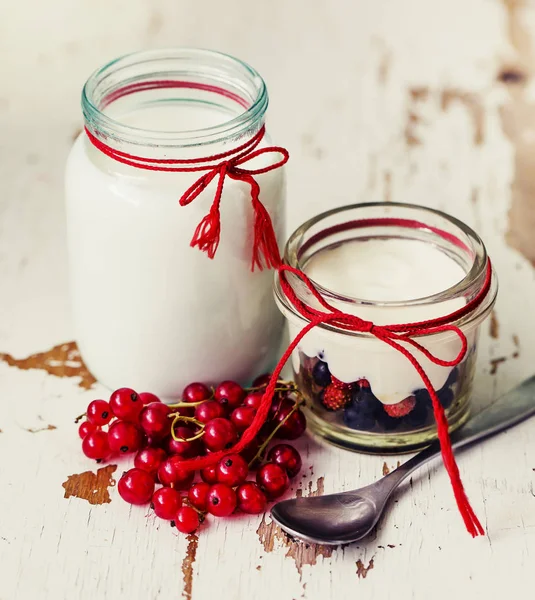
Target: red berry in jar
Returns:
[196, 392]
[183, 447]
[253, 400]
[125, 404]
[232, 470]
[85, 428]
[171, 473]
[99, 413]
[154, 419]
[209, 410]
[148, 398]
[251, 499]
[273, 480]
[136, 486]
[242, 417]
[219, 434]
[186, 519]
[95, 445]
[150, 459]
[221, 500]
[294, 424]
[124, 437]
[198, 495]
[287, 457]
[165, 502]
[209, 474]
[230, 393]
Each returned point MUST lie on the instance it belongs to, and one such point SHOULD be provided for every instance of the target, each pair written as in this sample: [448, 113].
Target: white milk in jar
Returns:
[150, 311]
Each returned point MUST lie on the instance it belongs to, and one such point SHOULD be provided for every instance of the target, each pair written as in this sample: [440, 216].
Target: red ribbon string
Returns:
[225, 164]
[394, 336]
[266, 254]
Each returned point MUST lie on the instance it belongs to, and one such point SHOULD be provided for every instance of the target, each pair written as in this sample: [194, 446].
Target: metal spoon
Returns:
[350, 516]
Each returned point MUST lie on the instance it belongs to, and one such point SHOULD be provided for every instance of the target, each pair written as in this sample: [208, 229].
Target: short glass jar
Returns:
[387, 263]
[150, 311]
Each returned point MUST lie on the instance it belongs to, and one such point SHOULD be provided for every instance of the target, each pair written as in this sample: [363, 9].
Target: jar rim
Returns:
[221, 70]
[470, 283]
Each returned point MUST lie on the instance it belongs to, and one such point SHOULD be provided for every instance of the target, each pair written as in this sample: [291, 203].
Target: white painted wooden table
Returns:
[410, 100]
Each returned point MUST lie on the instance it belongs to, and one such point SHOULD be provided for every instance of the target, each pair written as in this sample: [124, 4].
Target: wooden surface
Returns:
[411, 100]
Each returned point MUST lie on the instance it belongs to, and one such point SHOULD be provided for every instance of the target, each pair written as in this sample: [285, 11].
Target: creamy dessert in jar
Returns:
[388, 264]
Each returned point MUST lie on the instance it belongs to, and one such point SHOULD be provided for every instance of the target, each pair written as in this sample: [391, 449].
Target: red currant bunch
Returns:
[206, 421]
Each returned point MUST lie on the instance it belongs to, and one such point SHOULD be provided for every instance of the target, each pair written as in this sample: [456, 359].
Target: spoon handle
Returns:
[509, 410]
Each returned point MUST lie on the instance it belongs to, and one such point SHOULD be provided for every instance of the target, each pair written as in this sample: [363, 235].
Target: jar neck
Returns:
[383, 221]
[174, 104]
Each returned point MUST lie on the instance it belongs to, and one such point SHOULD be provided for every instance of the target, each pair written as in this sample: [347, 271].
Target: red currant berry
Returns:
[95, 445]
[277, 403]
[251, 499]
[172, 474]
[230, 393]
[242, 417]
[125, 404]
[99, 412]
[262, 380]
[148, 398]
[196, 392]
[295, 424]
[85, 428]
[287, 457]
[209, 474]
[273, 480]
[219, 434]
[198, 495]
[250, 451]
[232, 470]
[136, 486]
[186, 520]
[182, 447]
[154, 419]
[221, 500]
[165, 503]
[209, 410]
[124, 437]
[253, 400]
[150, 459]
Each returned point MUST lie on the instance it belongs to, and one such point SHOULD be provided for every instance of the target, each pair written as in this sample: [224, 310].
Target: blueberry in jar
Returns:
[418, 415]
[361, 412]
[321, 374]
[445, 397]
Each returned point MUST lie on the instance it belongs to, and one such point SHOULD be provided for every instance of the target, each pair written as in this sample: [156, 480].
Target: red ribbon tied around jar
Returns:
[218, 166]
[266, 253]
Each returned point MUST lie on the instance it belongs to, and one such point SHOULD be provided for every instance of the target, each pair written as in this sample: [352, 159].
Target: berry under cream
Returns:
[388, 264]
[151, 311]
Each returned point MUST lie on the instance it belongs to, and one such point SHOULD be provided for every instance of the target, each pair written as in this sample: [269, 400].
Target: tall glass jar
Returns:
[388, 264]
[150, 311]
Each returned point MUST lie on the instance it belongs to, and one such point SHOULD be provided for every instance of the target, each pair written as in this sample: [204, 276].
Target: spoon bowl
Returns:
[350, 516]
[331, 519]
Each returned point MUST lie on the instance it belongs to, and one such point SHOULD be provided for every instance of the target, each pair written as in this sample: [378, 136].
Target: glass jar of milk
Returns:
[388, 264]
[150, 311]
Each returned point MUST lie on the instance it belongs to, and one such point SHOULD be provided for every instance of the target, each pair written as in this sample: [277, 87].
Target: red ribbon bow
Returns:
[207, 233]
[394, 336]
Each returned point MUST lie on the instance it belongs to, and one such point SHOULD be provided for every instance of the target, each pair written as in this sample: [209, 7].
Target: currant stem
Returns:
[80, 417]
[289, 386]
[178, 417]
[262, 448]
[186, 404]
